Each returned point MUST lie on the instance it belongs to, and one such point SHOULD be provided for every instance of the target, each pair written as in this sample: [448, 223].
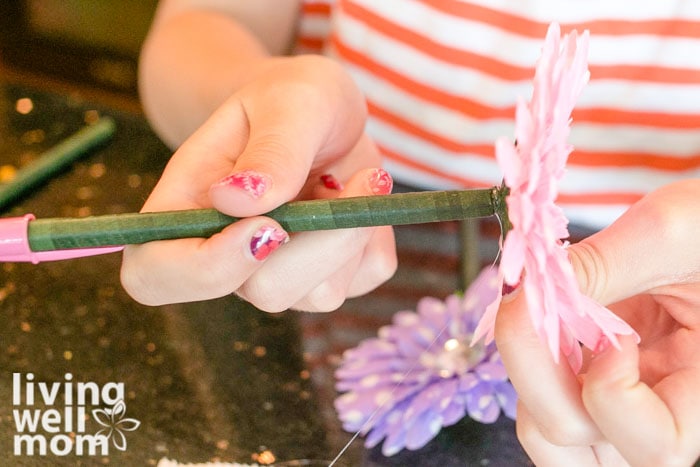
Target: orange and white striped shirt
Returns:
[442, 77]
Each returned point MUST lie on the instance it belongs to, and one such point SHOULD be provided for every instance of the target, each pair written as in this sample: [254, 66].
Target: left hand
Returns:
[303, 118]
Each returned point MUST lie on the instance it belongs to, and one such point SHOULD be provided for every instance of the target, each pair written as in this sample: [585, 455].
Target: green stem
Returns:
[322, 214]
[55, 159]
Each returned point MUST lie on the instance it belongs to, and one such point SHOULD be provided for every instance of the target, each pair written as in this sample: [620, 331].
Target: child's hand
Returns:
[638, 405]
[266, 145]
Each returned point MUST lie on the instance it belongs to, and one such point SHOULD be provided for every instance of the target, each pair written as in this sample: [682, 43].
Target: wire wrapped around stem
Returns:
[297, 216]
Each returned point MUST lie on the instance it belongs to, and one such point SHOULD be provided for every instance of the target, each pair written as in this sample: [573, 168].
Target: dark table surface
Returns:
[208, 381]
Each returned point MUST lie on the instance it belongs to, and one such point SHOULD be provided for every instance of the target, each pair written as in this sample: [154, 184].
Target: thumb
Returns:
[651, 245]
[294, 126]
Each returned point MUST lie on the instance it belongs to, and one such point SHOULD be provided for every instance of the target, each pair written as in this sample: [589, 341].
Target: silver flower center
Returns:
[455, 357]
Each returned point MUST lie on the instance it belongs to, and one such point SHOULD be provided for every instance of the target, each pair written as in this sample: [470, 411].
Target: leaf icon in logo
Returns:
[114, 423]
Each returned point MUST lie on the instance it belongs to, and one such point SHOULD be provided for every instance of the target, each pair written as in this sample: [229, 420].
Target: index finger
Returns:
[550, 391]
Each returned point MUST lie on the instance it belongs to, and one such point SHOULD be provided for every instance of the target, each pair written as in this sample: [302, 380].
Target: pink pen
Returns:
[14, 244]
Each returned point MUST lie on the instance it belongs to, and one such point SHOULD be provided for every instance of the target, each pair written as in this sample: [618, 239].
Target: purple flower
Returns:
[421, 374]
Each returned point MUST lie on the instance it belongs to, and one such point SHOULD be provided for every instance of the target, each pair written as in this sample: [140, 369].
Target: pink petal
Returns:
[561, 315]
[513, 260]
[487, 323]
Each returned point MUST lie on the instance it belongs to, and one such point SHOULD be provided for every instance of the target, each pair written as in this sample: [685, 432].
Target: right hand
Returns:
[301, 118]
[636, 405]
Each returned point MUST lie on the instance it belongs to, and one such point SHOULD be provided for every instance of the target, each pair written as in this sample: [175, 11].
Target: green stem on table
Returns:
[56, 159]
[297, 216]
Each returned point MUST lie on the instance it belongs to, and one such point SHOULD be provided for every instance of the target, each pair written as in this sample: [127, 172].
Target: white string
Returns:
[388, 399]
[410, 370]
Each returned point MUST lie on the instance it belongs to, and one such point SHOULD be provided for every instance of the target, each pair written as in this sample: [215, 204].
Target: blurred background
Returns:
[213, 380]
[93, 45]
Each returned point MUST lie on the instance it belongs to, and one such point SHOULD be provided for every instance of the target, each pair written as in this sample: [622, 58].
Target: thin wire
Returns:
[385, 402]
[501, 238]
[410, 370]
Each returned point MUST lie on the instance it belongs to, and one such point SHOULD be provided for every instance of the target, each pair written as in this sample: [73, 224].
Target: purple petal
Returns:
[360, 368]
[418, 377]
[408, 341]
[491, 371]
[374, 346]
[423, 429]
[482, 403]
[433, 312]
[354, 408]
[394, 442]
[484, 409]
[380, 381]
[377, 434]
[467, 382]
[454, 412]
[382, 427]
[405, 319]
[435, 397]
[387, 423]
[507, 398]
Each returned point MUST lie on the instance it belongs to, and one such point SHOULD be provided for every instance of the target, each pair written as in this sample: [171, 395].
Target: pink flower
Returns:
[533, 252]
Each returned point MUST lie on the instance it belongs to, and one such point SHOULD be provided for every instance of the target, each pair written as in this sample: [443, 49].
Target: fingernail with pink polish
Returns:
[380, 182]
[253, 183]
[329, 181]
[508, 289]
[266, 240]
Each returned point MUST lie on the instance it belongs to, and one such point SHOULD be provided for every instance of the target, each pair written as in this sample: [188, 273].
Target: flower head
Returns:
[533, 252]
[420, 373]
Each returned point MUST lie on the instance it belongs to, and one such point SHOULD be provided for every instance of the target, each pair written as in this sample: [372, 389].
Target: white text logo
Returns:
[59, 426]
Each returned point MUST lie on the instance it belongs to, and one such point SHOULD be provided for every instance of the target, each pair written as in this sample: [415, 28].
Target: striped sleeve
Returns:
[313, 26]
[442, 78]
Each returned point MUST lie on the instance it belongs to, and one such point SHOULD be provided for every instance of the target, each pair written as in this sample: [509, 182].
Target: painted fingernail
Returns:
[253, 183]
[380, 182]
[603, 345]
[509, 292]
[329, 181]
[266, 240]
[508, 289]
